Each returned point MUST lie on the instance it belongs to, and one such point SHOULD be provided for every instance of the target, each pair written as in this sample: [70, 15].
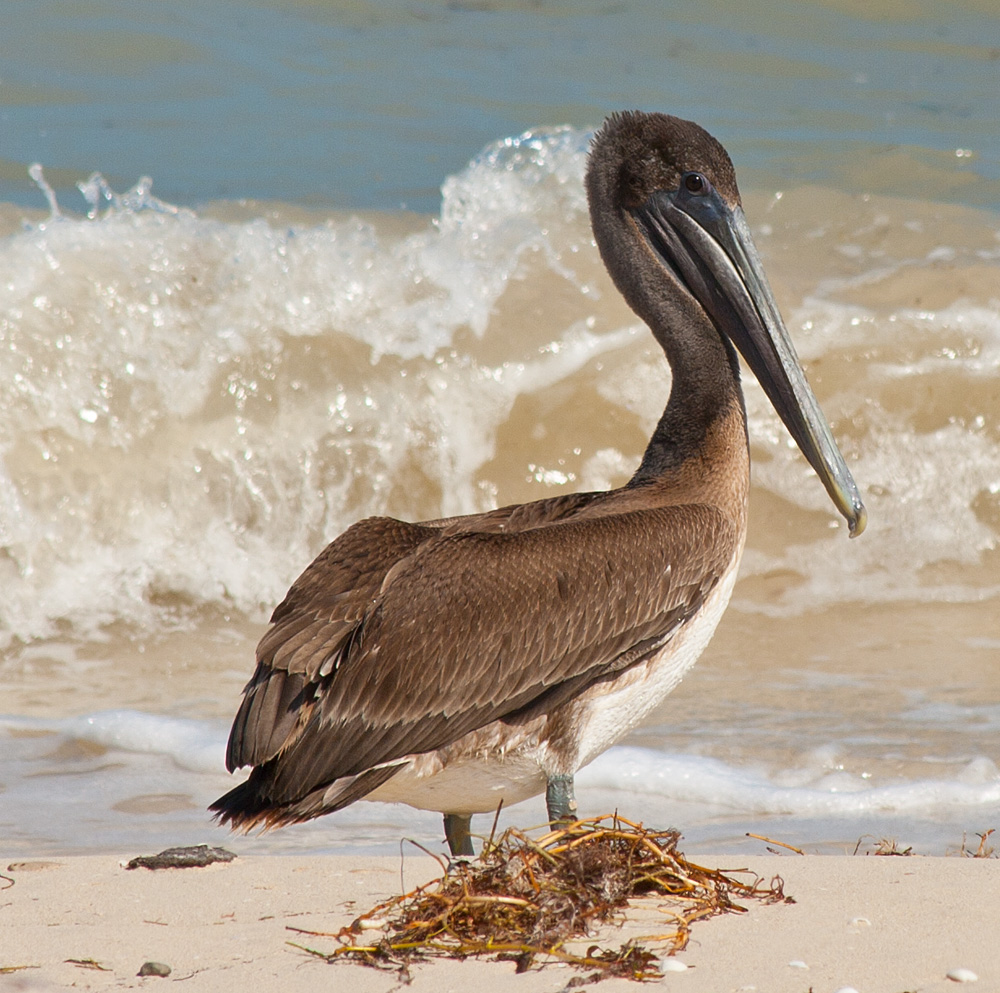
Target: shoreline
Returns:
[871, 923]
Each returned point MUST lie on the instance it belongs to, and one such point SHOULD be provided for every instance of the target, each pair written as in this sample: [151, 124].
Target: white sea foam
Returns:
[817, 792]
[170, 429]
[92, 796]
[928, 461]
[194, 745]
[190, 407]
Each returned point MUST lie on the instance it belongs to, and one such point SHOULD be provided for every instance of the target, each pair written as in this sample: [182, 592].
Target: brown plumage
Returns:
[481, 657]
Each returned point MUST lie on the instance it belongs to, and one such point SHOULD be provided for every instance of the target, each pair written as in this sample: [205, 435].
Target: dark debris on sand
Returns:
[191, 857]
[525, 899]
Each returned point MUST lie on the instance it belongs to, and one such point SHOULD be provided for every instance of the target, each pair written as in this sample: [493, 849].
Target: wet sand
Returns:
[870, 923]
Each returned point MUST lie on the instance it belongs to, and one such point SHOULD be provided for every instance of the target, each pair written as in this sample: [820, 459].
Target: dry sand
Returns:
[877, 924]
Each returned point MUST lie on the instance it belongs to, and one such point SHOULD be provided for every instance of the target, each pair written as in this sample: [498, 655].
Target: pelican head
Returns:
[671, 230]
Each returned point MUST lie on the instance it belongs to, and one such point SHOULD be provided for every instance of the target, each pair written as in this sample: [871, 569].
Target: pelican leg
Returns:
[560, 800]
[456, 832]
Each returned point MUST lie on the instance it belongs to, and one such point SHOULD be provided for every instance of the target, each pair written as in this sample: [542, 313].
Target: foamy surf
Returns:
[166, 770]
[192, 406]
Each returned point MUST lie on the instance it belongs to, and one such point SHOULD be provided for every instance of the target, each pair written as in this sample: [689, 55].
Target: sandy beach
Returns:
[874, 924]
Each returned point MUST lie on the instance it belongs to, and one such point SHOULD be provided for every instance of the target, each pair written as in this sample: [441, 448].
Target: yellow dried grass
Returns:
[526, 898]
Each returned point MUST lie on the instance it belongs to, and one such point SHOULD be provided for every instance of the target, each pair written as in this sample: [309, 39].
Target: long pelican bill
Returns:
[707, 244]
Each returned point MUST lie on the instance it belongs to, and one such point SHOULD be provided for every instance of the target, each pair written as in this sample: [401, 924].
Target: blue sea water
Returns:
[370, 103]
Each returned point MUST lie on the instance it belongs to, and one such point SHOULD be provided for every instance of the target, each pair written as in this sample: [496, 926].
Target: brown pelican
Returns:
[456, 663]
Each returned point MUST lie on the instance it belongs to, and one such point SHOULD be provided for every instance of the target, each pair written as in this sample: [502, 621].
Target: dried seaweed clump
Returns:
[528, 899]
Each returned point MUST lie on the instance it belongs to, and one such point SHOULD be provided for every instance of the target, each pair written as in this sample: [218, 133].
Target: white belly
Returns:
[512, 763]
[613, 712]
[473, 785]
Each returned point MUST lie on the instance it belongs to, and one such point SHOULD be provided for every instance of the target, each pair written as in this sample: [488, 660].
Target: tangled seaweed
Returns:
[525, 899]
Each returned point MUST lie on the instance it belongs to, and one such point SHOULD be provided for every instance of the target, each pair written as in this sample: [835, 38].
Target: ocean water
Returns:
[362, 281]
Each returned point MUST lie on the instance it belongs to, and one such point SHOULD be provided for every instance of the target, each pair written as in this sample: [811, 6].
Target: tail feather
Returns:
[249, 805]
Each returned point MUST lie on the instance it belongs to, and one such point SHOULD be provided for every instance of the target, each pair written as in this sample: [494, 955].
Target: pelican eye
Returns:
[696, 183]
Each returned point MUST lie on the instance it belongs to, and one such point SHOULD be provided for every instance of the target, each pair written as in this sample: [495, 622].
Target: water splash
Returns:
[36, 173]
[192, 406]
[96, 191]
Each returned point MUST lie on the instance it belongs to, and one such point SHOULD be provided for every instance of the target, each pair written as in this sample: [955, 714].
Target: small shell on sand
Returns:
[962, 975]
[671, 964]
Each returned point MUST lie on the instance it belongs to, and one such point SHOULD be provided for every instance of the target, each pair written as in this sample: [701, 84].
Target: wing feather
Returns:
[405, 647]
